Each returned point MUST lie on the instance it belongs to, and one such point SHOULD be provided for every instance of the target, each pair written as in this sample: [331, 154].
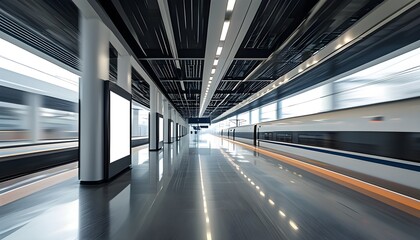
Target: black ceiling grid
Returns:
[170, 77]
[317, 31]
[49, 26]
[396, 34]
[189, 22]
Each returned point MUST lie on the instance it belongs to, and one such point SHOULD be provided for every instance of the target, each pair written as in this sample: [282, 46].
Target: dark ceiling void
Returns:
[190, 21]
[140, 89]
[49, 26]
[396, 34]
[274, 23]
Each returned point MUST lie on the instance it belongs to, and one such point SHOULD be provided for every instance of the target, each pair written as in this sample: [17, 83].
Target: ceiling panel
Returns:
[239, 69]
[327, 24]
[189, 21]
[272, 25]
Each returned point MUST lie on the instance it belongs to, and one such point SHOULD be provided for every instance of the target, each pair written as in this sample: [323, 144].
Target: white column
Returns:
[94, 53]
[176, 121]
[173, 112]
[153, 110]
[124, 72]
[166, 121]
[34, 116]
[278, 110]
[160, 102]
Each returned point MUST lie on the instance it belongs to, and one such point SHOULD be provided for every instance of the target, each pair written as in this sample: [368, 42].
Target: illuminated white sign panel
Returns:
[120, 127]
[160, 129]
[172, 130]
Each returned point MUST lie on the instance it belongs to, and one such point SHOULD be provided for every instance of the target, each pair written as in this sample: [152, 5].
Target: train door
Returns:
[221, 133]
[233, 134]
[255, 135]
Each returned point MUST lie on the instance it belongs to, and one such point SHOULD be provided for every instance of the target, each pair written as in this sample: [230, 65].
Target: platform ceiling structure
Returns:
[210, 58]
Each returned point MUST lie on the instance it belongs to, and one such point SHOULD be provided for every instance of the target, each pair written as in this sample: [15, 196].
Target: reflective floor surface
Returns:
[204, 188]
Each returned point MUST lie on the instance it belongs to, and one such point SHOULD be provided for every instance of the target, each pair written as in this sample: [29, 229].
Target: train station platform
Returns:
[205, 187]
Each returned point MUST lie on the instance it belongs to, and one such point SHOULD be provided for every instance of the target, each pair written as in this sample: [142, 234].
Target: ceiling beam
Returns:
[166, 18]
[168, 59]
[181, 59]
[241, 18]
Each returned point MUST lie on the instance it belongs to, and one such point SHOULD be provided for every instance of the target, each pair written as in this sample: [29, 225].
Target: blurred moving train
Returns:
[381, 140]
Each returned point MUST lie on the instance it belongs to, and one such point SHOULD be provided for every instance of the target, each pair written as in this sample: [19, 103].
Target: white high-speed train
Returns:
[381, 140]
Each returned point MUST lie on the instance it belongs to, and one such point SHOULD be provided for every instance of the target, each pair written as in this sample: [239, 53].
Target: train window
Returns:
[284, 137]
[319, 139]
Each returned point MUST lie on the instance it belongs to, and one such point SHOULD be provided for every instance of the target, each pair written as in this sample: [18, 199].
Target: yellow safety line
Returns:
[405, 203]
[21, 192]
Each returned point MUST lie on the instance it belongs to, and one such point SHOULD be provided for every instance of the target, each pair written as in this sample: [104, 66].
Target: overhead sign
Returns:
[199, 120]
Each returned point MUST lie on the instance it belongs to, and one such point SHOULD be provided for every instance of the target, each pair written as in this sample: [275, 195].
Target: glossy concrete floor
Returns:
[204, 188]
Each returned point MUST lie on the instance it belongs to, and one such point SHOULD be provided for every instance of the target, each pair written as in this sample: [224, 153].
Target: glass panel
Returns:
[243, 119]
[255, 116]
[394, 79]
[269, 112]
[140, 121]
[309, 102]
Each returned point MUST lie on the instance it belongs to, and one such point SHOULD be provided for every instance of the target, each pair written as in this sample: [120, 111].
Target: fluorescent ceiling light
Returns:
[209, 81]
[211, 78]
[182, 86]
[213, 71]
[224, 30]
[230, 5]
[219, 51]
[215, 62]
